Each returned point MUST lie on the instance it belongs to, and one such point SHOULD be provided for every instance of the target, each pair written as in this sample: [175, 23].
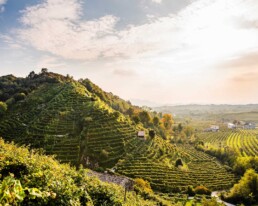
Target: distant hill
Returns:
[82, 124]
[211, 112]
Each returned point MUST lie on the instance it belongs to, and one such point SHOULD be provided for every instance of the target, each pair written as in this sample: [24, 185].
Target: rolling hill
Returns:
[82, 124]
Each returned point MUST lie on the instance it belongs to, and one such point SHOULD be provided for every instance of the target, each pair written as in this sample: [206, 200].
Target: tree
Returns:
[130, 111]
[246, 191]
[142, 187]
[152, 133]
[3, 108]
[188, 131]
[168, 121]
[178, 163]
[44, 70]
[155, 121]
[201, 190]
[136, 119]
[179, 127]
[31, 75]
[145, 117]
[19, 96]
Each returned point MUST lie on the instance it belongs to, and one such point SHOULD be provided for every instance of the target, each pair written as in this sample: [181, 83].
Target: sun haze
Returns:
[164, 51]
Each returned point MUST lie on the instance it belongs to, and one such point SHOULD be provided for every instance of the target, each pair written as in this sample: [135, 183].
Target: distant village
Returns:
[232, 125]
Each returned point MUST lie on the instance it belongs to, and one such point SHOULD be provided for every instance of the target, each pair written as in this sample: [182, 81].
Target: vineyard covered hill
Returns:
[243, 142]
[64, 118]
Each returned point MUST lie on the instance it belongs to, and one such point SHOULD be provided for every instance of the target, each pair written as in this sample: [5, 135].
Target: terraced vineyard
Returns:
[243, 142]
[67, 120]
[164, 176]
[49, 122]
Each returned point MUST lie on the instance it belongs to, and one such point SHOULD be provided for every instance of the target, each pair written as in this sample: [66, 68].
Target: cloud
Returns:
[157, 1]
[247, 61]
[246, 77]
[124, 72]
[50, 62]
[2, 3]
[205, 31]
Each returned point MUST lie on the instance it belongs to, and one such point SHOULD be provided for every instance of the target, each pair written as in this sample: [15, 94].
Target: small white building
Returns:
[141, 134]
[249, 125]
[214, 128]
[231, 126]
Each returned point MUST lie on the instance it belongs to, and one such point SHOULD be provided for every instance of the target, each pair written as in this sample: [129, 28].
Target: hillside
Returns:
[30, 178]
[83, 125]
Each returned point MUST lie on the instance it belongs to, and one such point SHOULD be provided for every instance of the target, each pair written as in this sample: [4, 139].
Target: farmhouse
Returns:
[141, 134]
[214, 128]
[231, 126]
[249, 125]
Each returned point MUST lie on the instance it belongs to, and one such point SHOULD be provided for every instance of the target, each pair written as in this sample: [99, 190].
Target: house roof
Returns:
[141, 133]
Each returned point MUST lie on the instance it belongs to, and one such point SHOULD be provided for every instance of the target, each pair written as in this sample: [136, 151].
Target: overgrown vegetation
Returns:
[30, 178]
[246, 191]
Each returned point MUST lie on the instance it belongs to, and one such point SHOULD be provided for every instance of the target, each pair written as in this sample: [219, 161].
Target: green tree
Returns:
[130, 111]
[168, 121]
[136, 119]
[246, 191]
[179, 127]
[188, 131]
[145, 117]
[155, 121]
[19, 96]
[3, 108]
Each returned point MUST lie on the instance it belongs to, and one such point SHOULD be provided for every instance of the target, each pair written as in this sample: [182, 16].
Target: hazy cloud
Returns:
[57, 26]
[157, 1]
[124, 72]
[2, 3]
[247, 61]
[246, 77]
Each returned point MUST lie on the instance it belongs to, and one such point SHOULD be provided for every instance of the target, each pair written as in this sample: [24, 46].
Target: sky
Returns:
[151, 52]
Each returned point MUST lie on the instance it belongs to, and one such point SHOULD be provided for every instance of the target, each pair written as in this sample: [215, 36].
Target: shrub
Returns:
[246, 191]
[3, 108]
[179, 162]
[152, 133]
[19, 96]
[201, 190]
[41, 180]
[190, 191]
[142, 187]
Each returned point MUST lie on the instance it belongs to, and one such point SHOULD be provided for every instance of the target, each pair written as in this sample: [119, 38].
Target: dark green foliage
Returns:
[190, 191]
[36, 179]
[145, 117]
[242, 164]
[246, 191]
[19, 96]
[156, 121]
[18, 170]
[136, 119]
[178, 163]
[152, 133]
[201, 190]
[3, 108]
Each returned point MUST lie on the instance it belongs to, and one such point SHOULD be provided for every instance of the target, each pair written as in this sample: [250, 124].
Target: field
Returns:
[243, 142]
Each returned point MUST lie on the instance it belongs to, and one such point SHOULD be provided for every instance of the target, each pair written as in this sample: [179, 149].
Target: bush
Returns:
[201, 190]
[142, 187]
[152, 133]
[246, 191]
[19, 96]
[3, 108]
[190, 191]
[179, 162]
[29, 178]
